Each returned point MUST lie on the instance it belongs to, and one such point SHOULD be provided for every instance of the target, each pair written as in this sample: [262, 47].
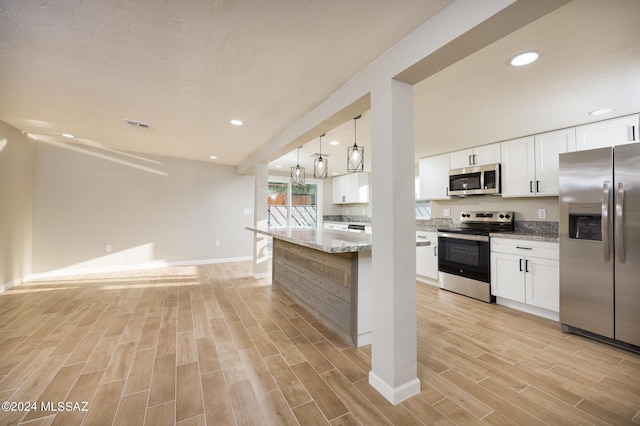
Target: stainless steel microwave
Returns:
[475, 180]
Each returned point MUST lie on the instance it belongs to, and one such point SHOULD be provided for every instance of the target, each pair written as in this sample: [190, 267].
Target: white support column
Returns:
[260, 194]
[394, 337]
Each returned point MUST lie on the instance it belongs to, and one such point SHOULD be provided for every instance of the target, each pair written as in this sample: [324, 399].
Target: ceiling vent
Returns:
[136, 123]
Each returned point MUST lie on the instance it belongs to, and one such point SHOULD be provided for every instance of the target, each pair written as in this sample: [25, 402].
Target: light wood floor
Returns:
[211, 345]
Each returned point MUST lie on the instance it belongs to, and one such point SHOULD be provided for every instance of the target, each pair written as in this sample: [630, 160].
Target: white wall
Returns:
[150, 209]
[17, 163]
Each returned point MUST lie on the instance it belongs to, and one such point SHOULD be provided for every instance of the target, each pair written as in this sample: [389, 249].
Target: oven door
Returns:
[464, 255]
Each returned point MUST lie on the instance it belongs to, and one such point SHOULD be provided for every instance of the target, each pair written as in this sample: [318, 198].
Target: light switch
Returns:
[542, 213]
[446, 212]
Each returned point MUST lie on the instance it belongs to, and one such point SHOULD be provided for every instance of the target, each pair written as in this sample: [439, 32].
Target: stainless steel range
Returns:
[464, 253]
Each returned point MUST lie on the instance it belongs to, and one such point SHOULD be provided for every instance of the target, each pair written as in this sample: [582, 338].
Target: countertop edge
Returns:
[523, 236]
[345, 248]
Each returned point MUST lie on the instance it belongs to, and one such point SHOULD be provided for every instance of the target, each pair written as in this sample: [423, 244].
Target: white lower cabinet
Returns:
[336, 226]
[427, 257]
[526, 271]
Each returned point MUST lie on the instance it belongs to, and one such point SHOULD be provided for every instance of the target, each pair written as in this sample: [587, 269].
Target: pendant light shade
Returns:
[320, 165]
[355, 153]
[297, 172]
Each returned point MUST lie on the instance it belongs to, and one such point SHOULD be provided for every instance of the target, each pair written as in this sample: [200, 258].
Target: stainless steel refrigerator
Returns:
[600, 244]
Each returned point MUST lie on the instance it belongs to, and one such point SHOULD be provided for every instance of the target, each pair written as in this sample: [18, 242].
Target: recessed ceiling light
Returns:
[525, 58]
[601, 111]
[236, 122]
[334, 143]
[213, 157]
[278, 166]
[68, 135]
[334, 173]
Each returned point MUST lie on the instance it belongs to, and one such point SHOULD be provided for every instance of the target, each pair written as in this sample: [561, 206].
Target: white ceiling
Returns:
[81, 67]
[187, 68]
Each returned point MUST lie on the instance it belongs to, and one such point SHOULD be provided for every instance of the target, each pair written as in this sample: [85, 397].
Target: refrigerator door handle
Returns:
[619, 236]
[606, 249]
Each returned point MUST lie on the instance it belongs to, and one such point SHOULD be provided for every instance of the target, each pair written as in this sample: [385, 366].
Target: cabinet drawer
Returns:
[542, 249]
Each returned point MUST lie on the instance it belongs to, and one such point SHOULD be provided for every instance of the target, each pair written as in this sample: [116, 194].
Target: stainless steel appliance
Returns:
[464, 253]
[353, 227]
[475, 180]
[600, 244]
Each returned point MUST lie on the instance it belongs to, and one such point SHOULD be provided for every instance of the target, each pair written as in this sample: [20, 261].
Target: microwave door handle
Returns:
[604, 223]
[619, 234]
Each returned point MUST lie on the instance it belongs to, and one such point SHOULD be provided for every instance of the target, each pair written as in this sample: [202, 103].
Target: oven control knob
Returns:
[507, 216]
[501, 216]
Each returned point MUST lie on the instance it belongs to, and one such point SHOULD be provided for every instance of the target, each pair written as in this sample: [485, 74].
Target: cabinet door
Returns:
[434, 177]
[548, 146]
[542, 283]
[426, 256]
[338, 195]
[461, 159]
[351, 188]
[487, 154]
[507, 278]
[618, 131]
[518, 167]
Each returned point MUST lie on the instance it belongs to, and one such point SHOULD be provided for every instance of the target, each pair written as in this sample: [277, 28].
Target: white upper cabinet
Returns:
[548, 148]
[618, 131]
[434, 177]
[530, 165]
[518, 167]
[478, 156]
[351, 188]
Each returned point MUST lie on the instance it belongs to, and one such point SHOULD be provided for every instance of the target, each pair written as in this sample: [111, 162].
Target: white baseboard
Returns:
[555, 316]
[152, 265]
[427, 280]
[399, 393]
[10, 284]
[365, 338]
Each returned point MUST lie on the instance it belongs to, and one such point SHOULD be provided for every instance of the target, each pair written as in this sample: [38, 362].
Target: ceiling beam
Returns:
[503, 23]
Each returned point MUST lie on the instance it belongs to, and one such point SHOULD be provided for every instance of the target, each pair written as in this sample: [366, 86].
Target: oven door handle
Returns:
[470, 237]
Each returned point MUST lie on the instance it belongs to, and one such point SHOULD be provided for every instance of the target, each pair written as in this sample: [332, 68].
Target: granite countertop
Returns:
[327, 240]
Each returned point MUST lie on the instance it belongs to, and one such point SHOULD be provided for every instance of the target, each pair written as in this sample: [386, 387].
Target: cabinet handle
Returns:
[606, 250]
[524, 248]
[619, 234]
[470, 162]
[447, 189]
[632, 134]
[475, 160]
[520, 265]
[435, 251]
[526, 265]
[537, 186]
[531, 186]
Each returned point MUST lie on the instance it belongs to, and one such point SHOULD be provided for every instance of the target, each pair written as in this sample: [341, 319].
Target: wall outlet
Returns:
[107, 248]
[542, 213]
[446, 212]
[217, 243]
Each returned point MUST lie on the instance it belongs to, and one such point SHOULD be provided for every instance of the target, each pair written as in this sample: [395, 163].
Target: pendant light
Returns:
[320, 164]
[355, 154]
[297, 172]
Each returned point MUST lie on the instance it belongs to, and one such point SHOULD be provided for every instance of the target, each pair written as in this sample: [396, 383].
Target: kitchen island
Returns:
[328, 272]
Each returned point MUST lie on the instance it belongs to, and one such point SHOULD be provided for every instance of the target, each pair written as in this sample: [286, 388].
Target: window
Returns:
[294, 205]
